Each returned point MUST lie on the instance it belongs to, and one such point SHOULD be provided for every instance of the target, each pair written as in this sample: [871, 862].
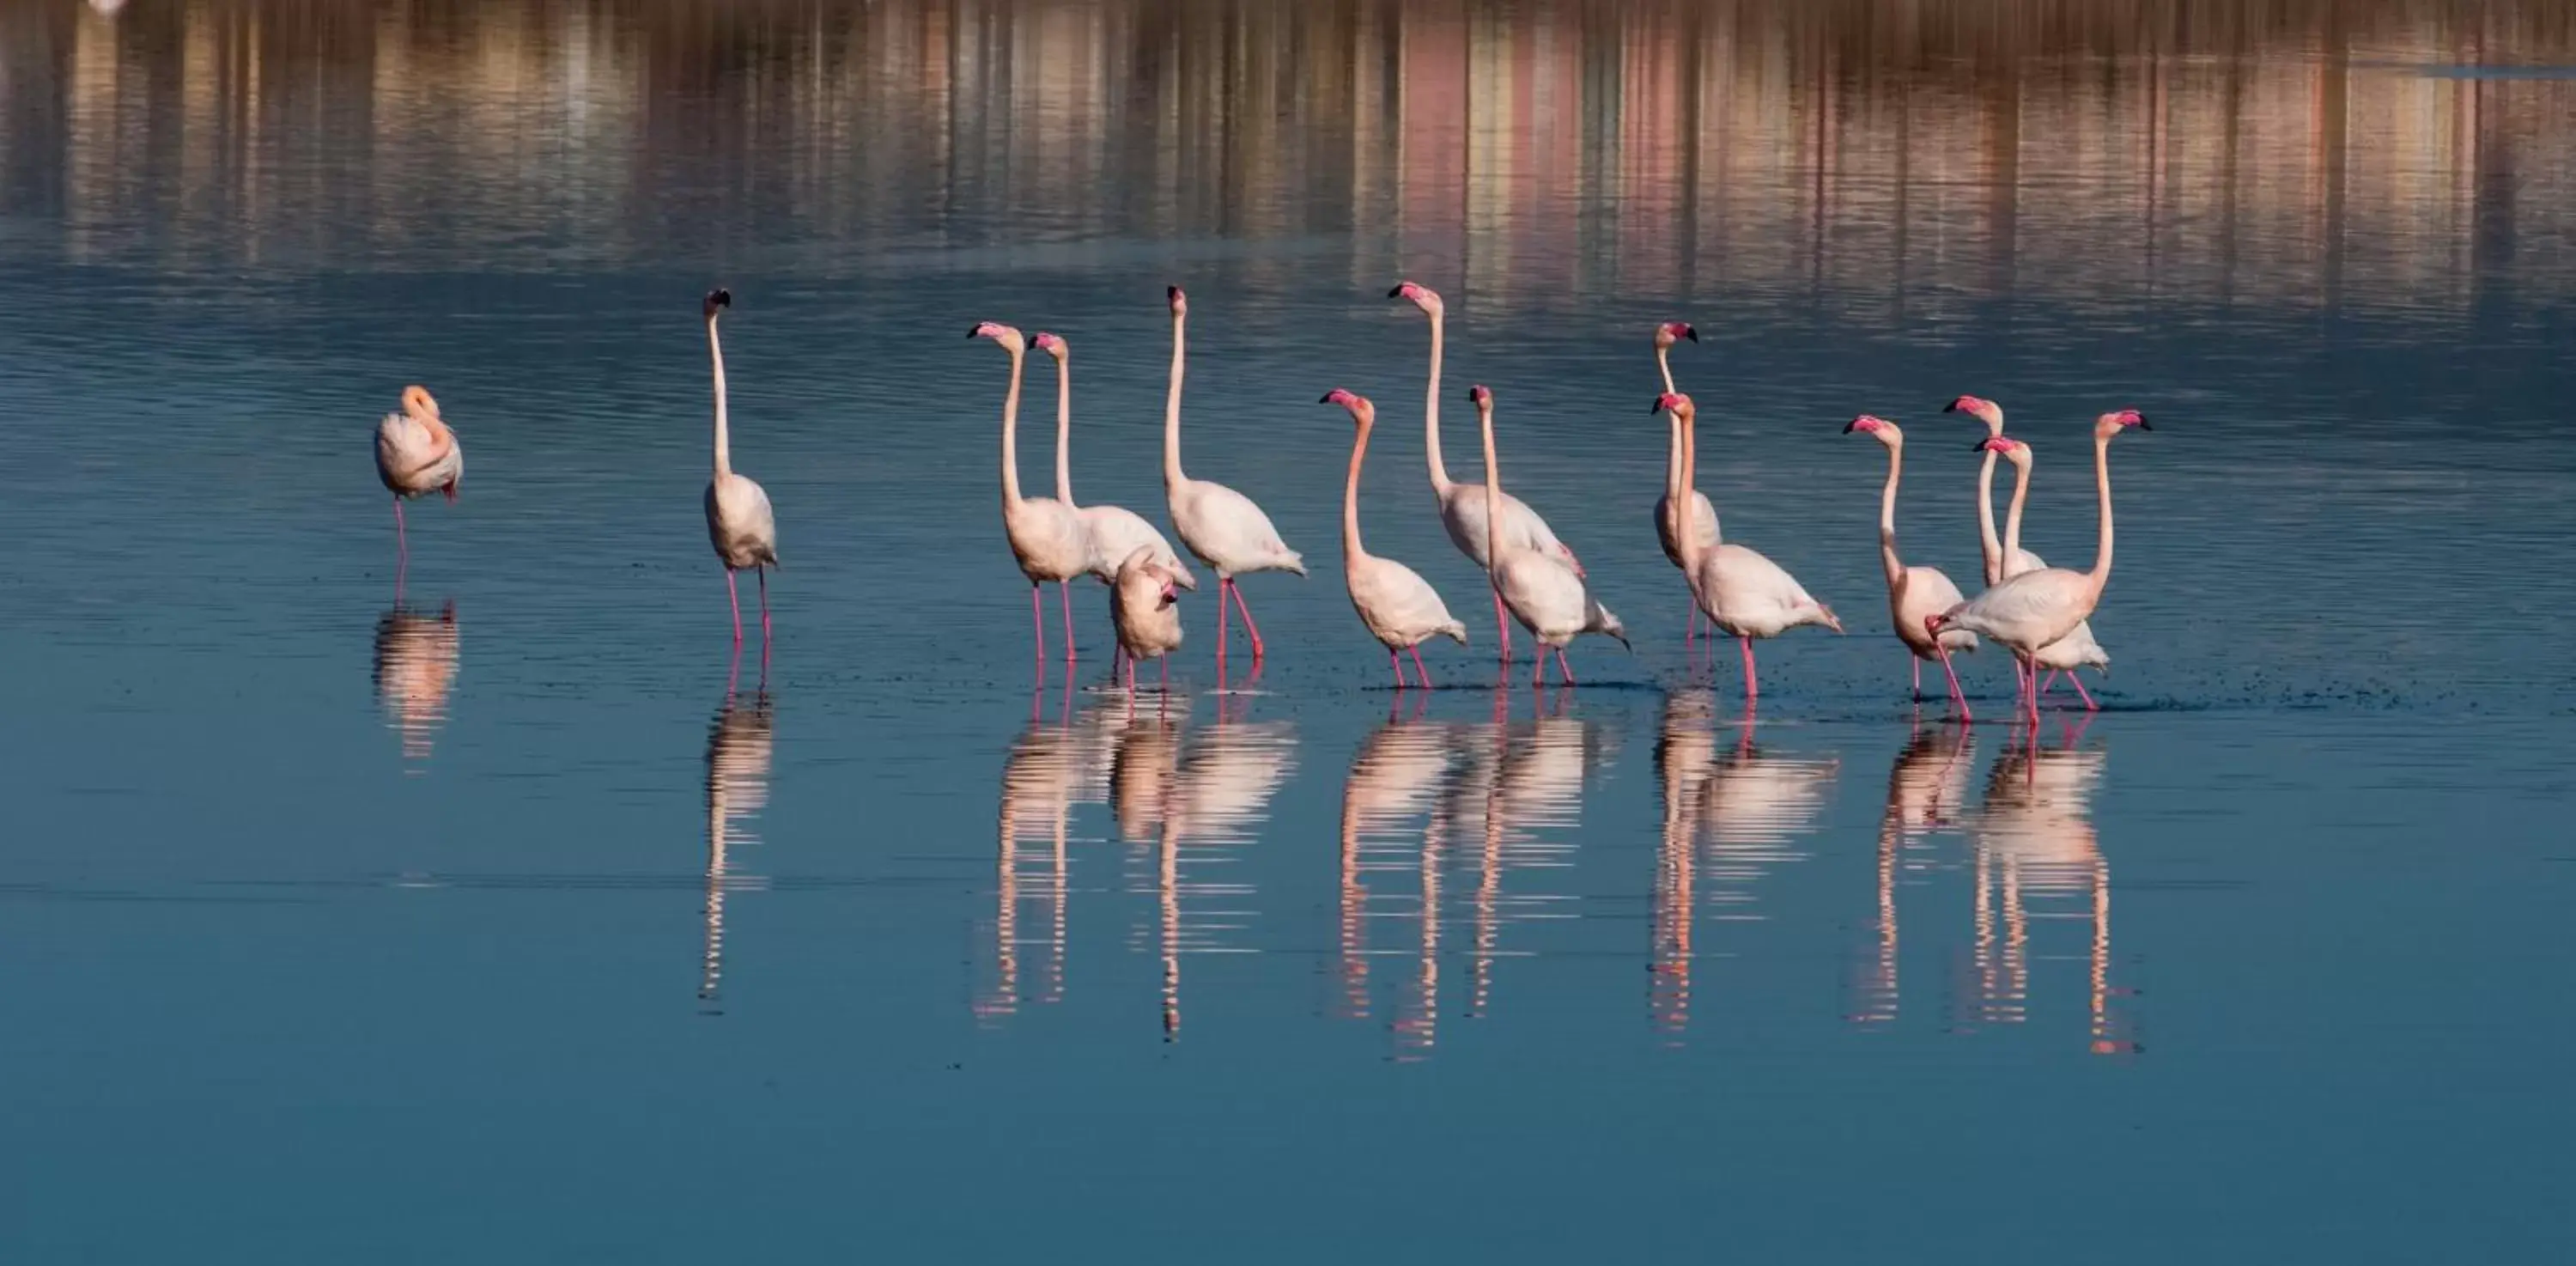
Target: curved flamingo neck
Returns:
[2100, 576]
[1685, 504]
[1986, 544]
[1440, 481]
[1010, 435]
[2012, 514]
[1172, 476]
[1064, 431]
[1352, 552]
[1673, 452]
[1887, 558]
[1493, 486]
[724, 442]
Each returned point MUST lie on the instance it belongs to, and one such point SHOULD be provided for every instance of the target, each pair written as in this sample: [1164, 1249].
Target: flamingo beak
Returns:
[1689, 333]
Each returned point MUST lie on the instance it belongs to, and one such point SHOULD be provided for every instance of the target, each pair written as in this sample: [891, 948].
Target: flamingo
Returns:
[1666, 519]
[1115, 531]
[1462, 506]
[739, 522]
[1400, 608]
[1745, 595]
[2035, 608]
[2004, 560]
[1913, 592]
[1221, 526]
[416, 454]
[1141, 608]
[1541, 589]
[1045, 534]
[2078, 648]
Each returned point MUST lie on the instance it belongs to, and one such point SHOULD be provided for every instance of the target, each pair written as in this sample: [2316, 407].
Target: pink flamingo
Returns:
[1913, 592]
[1221, 526]
[2006, 560]
[1046, 537]
[1745, 594]
[1462, 506]
[2035, 608]
[739, 522]
[1544, 591]
[1142, 608]
[1667, 520]
[416, 454]
[1400, 608]
[1115, 531]
[2078, 648]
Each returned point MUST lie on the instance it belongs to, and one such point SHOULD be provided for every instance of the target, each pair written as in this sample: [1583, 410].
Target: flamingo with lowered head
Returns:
[1542, 590]
[1141, 608]
[1046, 536]
[1462, 506]
[1745, 595]
[1913, 592]
[1667, 519]
[739, 522]
[1221, 526]
[2035, 608]
[2078, 648]
[416, 454]
[1400, 608]
[2005, 559]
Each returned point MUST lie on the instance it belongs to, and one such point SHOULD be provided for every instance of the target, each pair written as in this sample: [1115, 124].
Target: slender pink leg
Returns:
[2051, 681]
[1223, 586]
[1693, 630]
[402, 540]
[1037, 622]
[1418, 668]
[1064, 591]
[1563, 673]
[734, 596]
[1538, 666]
[1502, 627]
[2089, 705]
[1248, 625]
[1958, 698]
[1397, 665]
[1918, 676]
[1163, 673]
[763, 574]
[1131, 679]
[1751, 690]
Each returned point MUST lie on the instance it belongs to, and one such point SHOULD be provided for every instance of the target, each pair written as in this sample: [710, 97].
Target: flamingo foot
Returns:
[1502, 628]
[1248, 625]
[1064, 591]
[2087, 695]
[1397, 665]
[1563, 673]
[763, 574]
[1423, 672]
[1958, 697]
[1752, 688]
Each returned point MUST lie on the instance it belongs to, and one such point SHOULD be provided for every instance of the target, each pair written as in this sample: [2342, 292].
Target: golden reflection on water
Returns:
[739, 747]
[415, 668]
[1909, 157]
[2039, 858]
[1926, 790]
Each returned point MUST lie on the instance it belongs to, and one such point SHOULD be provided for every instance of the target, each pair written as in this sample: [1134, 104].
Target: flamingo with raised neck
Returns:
[739, 522]
[2076, 649]
[1667, 518]
[1745, 594]
[1046, 537]
[1399, 607]
[1221, 526]
[1913, 592]
[1541, 589]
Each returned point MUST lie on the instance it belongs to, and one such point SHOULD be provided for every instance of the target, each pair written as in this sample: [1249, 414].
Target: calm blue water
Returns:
[508, 919]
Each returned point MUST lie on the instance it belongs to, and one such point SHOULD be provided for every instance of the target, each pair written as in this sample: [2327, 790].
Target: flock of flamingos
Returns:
[2036, 612]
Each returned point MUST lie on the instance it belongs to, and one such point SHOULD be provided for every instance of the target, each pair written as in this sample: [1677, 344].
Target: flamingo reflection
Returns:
[739, 747]
[415, 668]
[1685, 749]
[2038, 855]
[1925, 788]
[1532, 799]
[1051, 767]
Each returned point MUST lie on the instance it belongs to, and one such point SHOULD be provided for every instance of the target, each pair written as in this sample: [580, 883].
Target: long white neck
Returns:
[2012, 514]
[1010, 435]
[724, 444]
[1493, 486]
[2100, 576]
[1352, 552]
[1986, 543]
[1686, 506]
[1064, 431]
[1440, 482]
[1172, 476]
[1887, 559]
[1673, 452]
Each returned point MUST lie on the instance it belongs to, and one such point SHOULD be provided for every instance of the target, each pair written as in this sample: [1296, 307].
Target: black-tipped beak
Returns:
[2142, 423]
[1952, 407]
[977, 332]
[1328, 398]
[1851, 426]
[1689, 333]
[1655, 408]
[1978, 447]
[1171, 293]
[1395, 293]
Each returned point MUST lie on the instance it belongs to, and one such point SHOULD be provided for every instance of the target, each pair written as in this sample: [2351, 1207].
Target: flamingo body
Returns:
[1116, 532]
[740, 524]
[1400, 608]
[416, 451]
[1226, 531]
[1143, 609]
[1703, 525]
[1748, 595]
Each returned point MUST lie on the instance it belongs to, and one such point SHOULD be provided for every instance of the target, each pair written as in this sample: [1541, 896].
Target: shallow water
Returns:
[505, 917]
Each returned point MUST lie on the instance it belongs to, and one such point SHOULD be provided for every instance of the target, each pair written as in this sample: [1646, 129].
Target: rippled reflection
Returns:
[415, 669]
[1925, 790]
[2039, 858]
[1051, 767]
[739, 747]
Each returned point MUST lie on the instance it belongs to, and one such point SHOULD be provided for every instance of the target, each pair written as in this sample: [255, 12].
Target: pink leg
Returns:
[1958, 698]
[1163, 674]
[1918, 677]
[1223, 587]
[1502, 627]
[1418, 668]
[763, 574]
[1037, 622]
[1064, 591]
[734, 596]
[1693, 630]
[1397, 665]
[402, 540]
[2078, 682]
[1248, 625]
[1131, 678]
[2051, 680]
[1751, 689]
[1563, 673]
[1538, 666]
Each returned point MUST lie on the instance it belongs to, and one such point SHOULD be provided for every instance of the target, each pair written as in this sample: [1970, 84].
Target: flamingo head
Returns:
[1481, 396]
[1052, 345]
[716, 298]
[1008, 337]
[1362, 411]
[1671, 332]
[2112, 423]
[1171, 593]
[1417, 294]
[1934, 623]
[1884, 431]
[1180, 302]
[1983, 410]
[2013, 450]
[416, 401]
[1673, 402]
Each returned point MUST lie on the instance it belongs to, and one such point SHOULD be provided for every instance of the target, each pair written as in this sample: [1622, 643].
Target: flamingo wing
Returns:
[1230, 533]
[1398, 605]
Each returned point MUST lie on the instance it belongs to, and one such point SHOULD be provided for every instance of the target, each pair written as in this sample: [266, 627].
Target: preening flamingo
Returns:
[416, 454]
[2035, 608]
[1221, 526]
[739, 522]
[1667, 519]
[1046, 536]
[1913, 592]
[2010, 559]
[1115, 531]
[1141, 607]
[1745, 595]
[2078, 648]
[1462, 506]
[1541, 589]
[1400, 608]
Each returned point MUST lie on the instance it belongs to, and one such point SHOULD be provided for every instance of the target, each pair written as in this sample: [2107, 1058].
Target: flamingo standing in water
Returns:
[1912, 592]
[1541, 589]
[739, 522]
[2010, 559]
[2035, 608]
[1115, 531]
[1221, 526]
[1400, 608]
[2078, 648]
[416, 454]
[1745, 595]
[1141, 607]
[1462, 506]
[1667, 519]
[1046, 536]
